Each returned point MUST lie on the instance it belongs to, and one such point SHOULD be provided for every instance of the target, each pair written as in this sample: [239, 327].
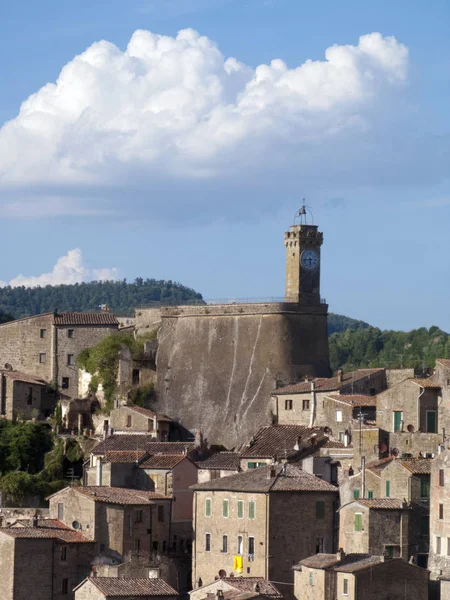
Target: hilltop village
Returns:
[208, 450]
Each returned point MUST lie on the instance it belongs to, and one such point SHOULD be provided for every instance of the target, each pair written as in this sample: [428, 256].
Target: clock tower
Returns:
[303, 242]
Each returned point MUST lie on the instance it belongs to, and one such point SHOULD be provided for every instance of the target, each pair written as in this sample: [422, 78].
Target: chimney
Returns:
[313, 386]
[35, 521]
[257, 587]
[298, 443]
[99, 471]
[339, 376]
[271, 473]
[345, 439]
[155, 423]
[198, 438]
[306, 378]
[219, 595]
[340, 554]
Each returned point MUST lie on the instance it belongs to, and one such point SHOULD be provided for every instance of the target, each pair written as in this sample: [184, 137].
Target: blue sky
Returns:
[189, 167]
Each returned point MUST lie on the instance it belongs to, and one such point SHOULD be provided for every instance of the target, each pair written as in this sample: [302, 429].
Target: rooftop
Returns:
[355, 400]
[381, 503]
[115, 587]
[161, 461]
[327, 384]
[247, 584]
[271, 478]
[416, 466]
[444, 362]
[349, 563]
[46, 529]
[141, 442]
[280, 440]
[379, 465]
[146, 412]
[85, 318]
[124, 456]
[427, 383]
[24, 377]
[115, 495]
[225, 461]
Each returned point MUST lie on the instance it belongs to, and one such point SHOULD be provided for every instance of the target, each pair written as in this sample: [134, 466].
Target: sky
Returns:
[176, 139]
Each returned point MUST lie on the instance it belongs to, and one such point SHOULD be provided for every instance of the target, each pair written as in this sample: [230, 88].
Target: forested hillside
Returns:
[372, 347]
[342, 323]
[120, 296]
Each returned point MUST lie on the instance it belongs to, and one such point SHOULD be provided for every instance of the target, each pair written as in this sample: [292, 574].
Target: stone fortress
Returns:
[217, 364]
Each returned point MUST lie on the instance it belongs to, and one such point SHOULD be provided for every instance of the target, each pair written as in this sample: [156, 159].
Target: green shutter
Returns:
[388, 489]
[397, 420]
[424, 488]
[208, 507]
[320, 509]
[370, 494]
[358, 522]
[355, 493]
[240, 509]
[225, 508]
[251, 509]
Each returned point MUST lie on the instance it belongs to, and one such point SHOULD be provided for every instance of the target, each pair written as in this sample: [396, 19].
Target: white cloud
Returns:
[68, 269]
[170, 112]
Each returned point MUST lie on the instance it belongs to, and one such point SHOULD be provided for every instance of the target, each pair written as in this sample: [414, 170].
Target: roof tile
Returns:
[46, 529]
[280, 441]
[138, 441]
[122, 496]
[326, 384]
[85, 318]
[247, 584]
[225, 461]
[114, 587]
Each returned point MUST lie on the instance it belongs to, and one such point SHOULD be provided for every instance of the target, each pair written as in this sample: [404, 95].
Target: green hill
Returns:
[338, 323]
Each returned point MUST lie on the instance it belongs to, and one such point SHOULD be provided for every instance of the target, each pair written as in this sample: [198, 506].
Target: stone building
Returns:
[408, 479]
[218, 465]
[123, 522]
[439, 558]
[46, 346]
[136, 418]
[259, 522]
[253, 587]
[112, 588]
[44, 561]
[308, 402]
[243, 349]
[358, 577]
[24, 396]
[384, 526]
[361, 483]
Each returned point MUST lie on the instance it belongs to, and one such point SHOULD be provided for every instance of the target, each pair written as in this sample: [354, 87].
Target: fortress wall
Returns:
[146, 319]
[216, 370]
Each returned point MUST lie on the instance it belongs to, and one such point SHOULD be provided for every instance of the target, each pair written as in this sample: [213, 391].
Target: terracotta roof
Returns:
[355, 400]
[122, 496]
[225, 461]
[146, 412]
[377, 466]
[85, 318]
[51, 529]
[234, 595]
[113, 587]
[444, 361]
[124, 456]
[326, 384]
[287, 478]
[427, 383]
[417, 466]
[19, 376]
[161, 461]
[279, 441]
[381, 503]
[348, 564]
[135, 442]
[246, 584]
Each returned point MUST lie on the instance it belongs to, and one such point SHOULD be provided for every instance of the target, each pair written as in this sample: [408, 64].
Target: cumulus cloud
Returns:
[68, 269]
[172, 115]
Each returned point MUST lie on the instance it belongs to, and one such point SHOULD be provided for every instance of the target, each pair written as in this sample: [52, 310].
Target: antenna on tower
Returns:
[303, 213]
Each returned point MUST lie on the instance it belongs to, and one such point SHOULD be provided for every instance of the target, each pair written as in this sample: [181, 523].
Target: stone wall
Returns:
[217, 365]
[439, 562]
[313, 584]
[391, 580]
[147, 319]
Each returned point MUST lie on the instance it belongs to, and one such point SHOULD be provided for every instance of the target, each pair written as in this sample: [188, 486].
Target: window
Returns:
[60, 511]
[136, 377]
[345, 587]
[255, 465]
[388, 488]
[320, 509]
[208, 507]
[358, 521]
[161, 513]
[128, 420]
[319, 545]
[42, 358]
[240, 545]
[372, 392]
[71, 333]
[224, 544]
[441, 477]
[305, 404]
[139, 514]
[424, 488]
[339, 416]
[355, 493]
[251, 509]
[424, 525]
[251, 546]
[43, 334]
[65, 383]
[208, 542]
[155, 546]
[240, 509]
[70, 359]
[65, 586]
[438, 545]
[431, 421]
[288, 405]
[225, 509]
[137, 545]
[30, 395]
[441, 512]
[398, 417]
[102, 547]
[311, 578]
[370, 494]
[63, 553]
[164, 545]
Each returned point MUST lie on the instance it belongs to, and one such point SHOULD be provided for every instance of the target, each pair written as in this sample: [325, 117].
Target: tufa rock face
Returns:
[217, 365]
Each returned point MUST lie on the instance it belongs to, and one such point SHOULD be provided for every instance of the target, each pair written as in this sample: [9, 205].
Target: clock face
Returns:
[310, 260]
